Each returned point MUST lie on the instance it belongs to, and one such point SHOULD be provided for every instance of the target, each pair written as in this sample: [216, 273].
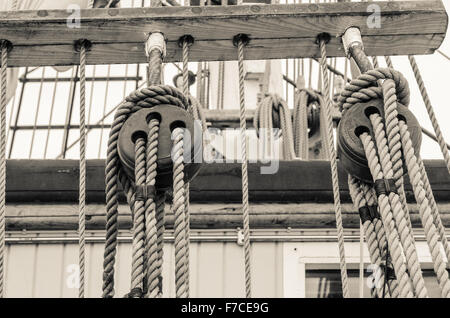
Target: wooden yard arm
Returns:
[276, 31]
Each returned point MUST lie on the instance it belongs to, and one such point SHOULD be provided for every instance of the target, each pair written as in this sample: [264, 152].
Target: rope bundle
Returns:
[148, 220]
[273, 112]
[384, 155]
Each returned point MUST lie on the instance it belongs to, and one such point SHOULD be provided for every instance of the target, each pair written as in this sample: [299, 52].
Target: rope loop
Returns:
[365, 87]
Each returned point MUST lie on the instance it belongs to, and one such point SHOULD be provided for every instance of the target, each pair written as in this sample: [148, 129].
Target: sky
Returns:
[105, 96]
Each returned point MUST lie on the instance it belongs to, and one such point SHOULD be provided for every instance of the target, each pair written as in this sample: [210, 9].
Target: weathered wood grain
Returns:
[276, 31]
[46, 217]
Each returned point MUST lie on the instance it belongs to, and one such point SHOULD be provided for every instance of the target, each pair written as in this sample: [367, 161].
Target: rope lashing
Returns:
[137, 100]
[240, 41]
[386, 189]
[329, 141]
[368, 213]
[82, 46]
[273, 112]
[400, 218]
[388, 222]
[5, 47]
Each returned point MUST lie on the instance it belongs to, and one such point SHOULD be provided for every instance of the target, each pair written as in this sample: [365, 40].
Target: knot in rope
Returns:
[365, 87]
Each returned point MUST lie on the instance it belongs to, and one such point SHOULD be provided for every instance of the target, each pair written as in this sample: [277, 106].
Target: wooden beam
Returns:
[294, 182]
[64, 217]
[229, 118]
[276, 31]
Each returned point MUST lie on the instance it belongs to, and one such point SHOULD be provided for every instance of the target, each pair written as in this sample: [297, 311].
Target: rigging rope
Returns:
[4, 47]
[430, 111]
[178, 208]
[82, 186]
[245, 203]
[329, 141]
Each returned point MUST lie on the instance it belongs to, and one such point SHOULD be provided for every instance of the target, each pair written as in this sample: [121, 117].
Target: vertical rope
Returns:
[186, 190]
[160, 228]
[406, 238]
[178, 207]
[82, 187]
[245, 204]
[333, 163]
[387, 217]
[3, 104]
[137, 265]
[151, 247]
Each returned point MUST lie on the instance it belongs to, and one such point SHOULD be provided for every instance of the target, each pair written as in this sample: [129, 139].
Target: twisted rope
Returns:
[151, 258]
[3, 104]
[178, 207]
[430, 111]
[82, 186]
[359, 201]
[406, 237]
[424, 210]
[301, 123]
[160, 227]
[333, 163]
[387, 218]
[144, 98]
[196, 110]
[137, 264]
[263, 119]
[245, 204]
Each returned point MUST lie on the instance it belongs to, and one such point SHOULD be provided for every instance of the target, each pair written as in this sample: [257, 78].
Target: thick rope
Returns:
[245, 204]
[301, 123]
[196, 109]
[359, 201]
[178, 207]
[388, 221]
[160, 227]
[424, 210]
[151, 247]
[263, 120]
[370, 196]
[3, 104]
[434, 210]
[144, 98]
[431, 114]
[406, 237]
[137, 265]
[333, 163]
[82, 187]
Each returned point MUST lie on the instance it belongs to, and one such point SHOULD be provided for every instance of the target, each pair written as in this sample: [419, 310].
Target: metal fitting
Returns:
[351, 38]
[156, 41]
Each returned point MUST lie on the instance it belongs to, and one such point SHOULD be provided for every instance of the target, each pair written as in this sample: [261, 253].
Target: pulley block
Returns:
[169, 117]
[355, 121]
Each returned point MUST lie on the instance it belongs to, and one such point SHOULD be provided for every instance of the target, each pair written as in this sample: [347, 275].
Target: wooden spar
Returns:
[229, 118]
[64, 217]
[56, 181]
[46, 37]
